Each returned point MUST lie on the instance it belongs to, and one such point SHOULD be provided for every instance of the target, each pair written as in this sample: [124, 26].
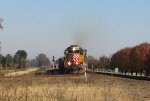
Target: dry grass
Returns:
[73, 88]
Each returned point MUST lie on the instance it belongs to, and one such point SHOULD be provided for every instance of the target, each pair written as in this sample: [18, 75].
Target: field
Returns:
[72, 88]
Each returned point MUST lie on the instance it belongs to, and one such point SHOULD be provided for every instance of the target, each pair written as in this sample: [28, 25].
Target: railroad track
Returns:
[123, 76]
[58, 73]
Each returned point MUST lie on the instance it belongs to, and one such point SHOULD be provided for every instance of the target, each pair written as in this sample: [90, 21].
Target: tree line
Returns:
[133, 59]
[19, 61]
[130, 59]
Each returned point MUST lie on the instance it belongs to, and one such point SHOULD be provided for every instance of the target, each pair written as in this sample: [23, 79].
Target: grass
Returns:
[3, 72]
[72, 88]
[6, 71]
[21, 69]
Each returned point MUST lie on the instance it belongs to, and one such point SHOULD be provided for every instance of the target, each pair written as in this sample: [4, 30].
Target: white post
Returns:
[85, 72]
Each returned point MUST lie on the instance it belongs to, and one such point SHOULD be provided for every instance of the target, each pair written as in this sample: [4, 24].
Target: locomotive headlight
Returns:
[73, 49]
[69, 63]
[77, 63]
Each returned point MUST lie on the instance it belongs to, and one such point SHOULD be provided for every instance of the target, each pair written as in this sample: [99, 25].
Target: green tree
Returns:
[20, 58]
[1, 59]
[9, 61]
[4, 62]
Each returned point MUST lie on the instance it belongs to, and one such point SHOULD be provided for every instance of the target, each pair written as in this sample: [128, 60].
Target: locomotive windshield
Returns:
[73, 50]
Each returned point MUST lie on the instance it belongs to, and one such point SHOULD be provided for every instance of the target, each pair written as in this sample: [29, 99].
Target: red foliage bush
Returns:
[132, 59]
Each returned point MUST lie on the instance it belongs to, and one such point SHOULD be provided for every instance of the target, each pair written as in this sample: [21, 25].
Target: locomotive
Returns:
[75, 58]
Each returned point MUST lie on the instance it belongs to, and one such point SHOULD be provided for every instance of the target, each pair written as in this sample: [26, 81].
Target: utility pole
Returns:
[85, 73]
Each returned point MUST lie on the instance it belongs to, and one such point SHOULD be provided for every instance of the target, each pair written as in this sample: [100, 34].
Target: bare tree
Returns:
[43, 60]
[32, 63]
[92, 62]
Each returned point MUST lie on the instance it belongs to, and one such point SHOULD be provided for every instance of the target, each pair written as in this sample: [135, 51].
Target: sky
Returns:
[50, 26]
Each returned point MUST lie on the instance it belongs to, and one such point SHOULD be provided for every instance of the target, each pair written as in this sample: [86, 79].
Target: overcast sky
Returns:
[50, 26]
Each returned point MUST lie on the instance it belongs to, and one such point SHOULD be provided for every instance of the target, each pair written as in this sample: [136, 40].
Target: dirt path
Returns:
[18, 73]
